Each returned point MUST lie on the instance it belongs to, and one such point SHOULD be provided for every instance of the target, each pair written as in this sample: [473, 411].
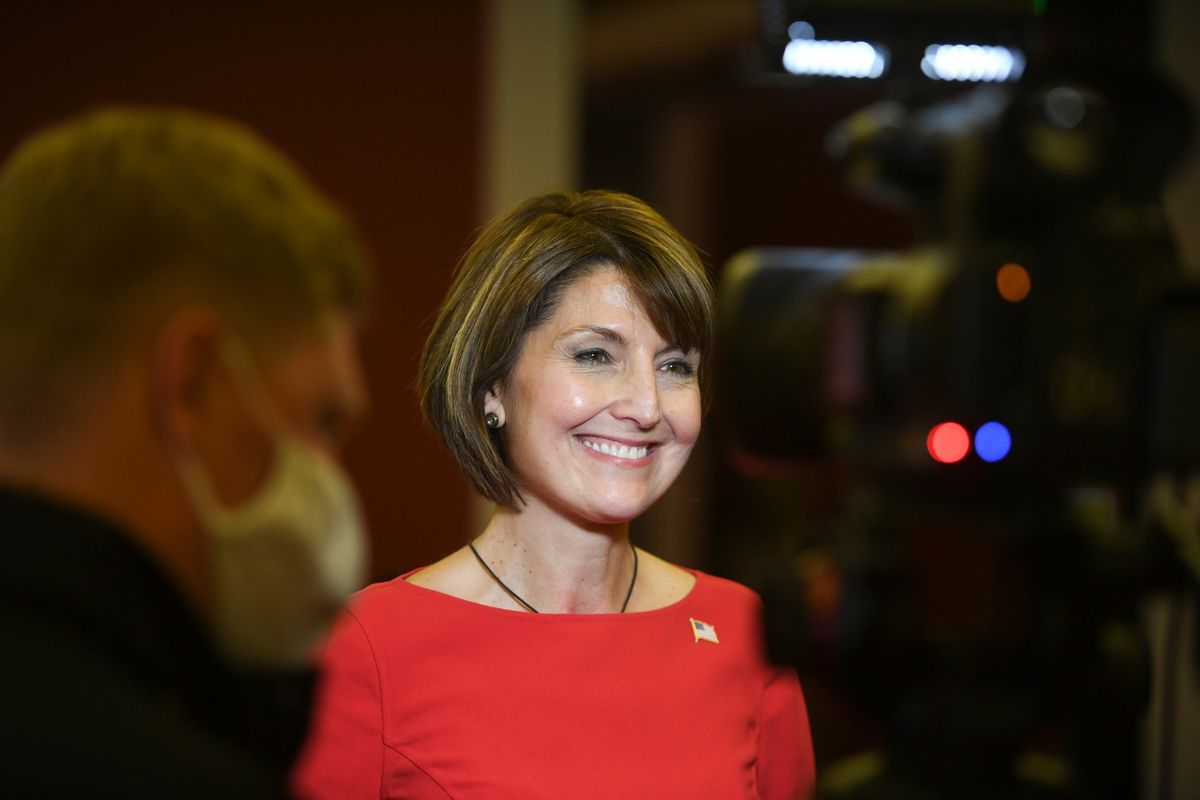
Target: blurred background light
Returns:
[835, 59]
[948, 442]
[992, 441]
[1065, 106]
[1013, 282]
[972, 62]
[801, 30]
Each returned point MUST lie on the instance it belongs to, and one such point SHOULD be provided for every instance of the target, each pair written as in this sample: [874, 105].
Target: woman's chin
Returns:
[617, 506]
[615, 511]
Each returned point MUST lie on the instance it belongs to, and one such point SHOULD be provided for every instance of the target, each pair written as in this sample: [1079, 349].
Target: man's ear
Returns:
[185, 364]
[493, 403]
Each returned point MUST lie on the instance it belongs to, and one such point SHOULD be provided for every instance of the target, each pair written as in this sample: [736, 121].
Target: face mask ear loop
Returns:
[250, 387]
[195, 481]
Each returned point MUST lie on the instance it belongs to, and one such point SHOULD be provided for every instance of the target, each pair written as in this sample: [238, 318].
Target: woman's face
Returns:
[600, 412]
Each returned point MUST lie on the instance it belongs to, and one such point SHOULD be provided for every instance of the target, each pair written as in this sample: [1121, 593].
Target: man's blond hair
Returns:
[103, 213]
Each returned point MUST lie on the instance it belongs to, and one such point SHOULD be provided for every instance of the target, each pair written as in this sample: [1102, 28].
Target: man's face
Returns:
[311, 387]
[317, 385]
[284, 535]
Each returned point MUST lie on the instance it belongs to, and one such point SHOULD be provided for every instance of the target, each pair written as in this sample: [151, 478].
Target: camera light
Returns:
[972, 62]
[948, 442]
[1013, 282]
[992, 441]
[801, 30]
[835, 59]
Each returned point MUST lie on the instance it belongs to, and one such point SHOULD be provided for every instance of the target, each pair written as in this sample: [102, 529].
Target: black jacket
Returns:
[109, 687]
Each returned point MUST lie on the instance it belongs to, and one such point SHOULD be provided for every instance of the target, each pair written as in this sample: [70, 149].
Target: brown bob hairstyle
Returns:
[508, 285]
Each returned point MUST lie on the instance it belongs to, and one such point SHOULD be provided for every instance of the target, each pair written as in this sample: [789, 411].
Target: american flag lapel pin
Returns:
[702, 630]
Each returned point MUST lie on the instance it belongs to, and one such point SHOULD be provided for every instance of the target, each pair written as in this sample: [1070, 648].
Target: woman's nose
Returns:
[638, 399]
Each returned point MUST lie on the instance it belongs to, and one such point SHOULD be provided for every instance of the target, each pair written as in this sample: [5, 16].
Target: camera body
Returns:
[1048, 296]
[978, 606]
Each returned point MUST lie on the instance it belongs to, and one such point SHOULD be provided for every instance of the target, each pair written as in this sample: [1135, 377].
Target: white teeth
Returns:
[620, 451]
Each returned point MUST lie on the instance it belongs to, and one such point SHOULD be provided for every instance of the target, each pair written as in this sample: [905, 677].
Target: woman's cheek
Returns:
[685, 416]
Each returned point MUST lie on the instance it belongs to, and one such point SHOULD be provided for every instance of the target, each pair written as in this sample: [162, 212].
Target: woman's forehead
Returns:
[606, 296]
[599, 291]
[600, 302]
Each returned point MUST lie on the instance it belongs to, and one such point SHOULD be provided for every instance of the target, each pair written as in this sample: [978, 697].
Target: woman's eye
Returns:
[593, 357]
[678, 367]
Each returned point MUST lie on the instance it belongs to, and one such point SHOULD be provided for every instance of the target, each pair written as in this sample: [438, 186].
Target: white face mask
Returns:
[286, 558]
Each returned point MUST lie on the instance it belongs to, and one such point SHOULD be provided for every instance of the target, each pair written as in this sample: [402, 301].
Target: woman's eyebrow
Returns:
[598, 330]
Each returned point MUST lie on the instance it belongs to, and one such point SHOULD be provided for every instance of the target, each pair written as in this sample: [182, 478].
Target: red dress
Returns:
[426, 695]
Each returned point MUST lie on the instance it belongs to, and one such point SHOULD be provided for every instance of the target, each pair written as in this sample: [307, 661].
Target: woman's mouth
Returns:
[617, 450]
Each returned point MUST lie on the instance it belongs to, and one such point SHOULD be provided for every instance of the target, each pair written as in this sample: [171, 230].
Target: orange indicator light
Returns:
[1013, 282]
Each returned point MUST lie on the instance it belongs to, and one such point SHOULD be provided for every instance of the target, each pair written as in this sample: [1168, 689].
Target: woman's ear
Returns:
[493, 403]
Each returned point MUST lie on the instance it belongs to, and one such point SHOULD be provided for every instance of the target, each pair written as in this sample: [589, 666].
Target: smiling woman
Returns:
[600, 411]
[550, 657]
[511, 282]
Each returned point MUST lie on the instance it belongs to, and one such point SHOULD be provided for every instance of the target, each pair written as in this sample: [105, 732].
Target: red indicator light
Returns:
[948, 442]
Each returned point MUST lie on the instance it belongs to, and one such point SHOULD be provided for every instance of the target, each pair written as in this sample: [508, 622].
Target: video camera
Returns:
[992, 406]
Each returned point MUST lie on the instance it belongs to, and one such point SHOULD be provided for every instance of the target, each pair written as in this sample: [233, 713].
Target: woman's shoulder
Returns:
[726, 590]
[716, 598]
[420, 587]
[377, 598]
[698, 595]
[383, 600]
[662, 583]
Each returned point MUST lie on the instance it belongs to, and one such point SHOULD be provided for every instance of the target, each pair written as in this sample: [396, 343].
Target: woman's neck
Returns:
[556, 566]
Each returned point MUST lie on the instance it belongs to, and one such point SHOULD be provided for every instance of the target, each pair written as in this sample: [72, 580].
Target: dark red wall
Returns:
[379, 102]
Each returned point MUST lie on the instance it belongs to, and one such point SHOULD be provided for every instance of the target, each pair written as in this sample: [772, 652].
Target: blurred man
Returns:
[177, 367]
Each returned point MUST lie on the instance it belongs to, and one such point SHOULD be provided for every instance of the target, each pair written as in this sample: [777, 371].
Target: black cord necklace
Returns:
[519, 599]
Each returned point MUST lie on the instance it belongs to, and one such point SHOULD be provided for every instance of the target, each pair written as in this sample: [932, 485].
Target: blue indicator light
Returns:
[992, 441]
